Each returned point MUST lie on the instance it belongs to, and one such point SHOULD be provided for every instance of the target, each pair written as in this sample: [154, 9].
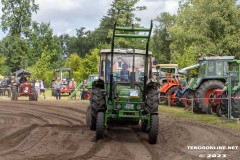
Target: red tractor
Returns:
[65, 75]
[20, 86]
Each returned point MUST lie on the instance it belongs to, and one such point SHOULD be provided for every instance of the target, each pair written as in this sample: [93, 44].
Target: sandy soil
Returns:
[56, 130]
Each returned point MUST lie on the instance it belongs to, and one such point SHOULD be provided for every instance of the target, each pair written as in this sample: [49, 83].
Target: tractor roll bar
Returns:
[130, 29]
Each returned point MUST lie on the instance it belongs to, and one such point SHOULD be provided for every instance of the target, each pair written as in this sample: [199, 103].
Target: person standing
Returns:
[37, 87]
[42, 89]
[57, 86]
[73, 86]
[84, 90]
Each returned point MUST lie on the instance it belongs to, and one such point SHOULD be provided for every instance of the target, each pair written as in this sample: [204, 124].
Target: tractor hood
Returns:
[128, 93]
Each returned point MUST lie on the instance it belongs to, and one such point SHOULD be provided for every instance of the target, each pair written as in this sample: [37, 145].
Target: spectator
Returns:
[42, 89]
[154, 78]
[4, 86]
[37, 87]
[84, 90]
[57, 85]
[73, 85]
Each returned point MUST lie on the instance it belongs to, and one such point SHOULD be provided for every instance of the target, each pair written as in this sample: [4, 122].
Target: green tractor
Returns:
[212, 74]
[222, 100]
[119, 95]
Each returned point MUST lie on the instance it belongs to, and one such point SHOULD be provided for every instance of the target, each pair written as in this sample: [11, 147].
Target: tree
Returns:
[4, 70]
[42, 65]
[74, 62]
[90, 64]
[161, 38]
[16, 51]
[17, 16]
[40, 38]
[203, 27]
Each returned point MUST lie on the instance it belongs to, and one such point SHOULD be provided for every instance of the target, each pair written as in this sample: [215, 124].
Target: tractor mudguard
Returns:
[166, 87]
[98, 83]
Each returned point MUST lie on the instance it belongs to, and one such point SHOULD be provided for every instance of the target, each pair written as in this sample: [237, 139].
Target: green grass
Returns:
[203, 118]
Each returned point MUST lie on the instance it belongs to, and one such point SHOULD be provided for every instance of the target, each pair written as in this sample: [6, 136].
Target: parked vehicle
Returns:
[212, 74]
[120, 96]
[21, 86]
[65, 75]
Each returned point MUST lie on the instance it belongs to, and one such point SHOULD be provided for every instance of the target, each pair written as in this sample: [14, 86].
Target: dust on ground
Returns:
[56, 130]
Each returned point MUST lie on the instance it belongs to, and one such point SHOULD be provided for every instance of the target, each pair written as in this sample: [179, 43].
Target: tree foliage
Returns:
[17, 16]
[203, 27]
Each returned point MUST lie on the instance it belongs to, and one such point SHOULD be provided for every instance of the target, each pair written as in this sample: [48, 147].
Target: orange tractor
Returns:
[169, 82]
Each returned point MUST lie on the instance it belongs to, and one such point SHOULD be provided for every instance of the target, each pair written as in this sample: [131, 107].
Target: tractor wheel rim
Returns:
[207, 96]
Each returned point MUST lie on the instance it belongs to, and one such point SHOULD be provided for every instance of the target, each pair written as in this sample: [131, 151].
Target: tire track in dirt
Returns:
[182, 133]
[51, 112]
[62, 140]
[57, 134]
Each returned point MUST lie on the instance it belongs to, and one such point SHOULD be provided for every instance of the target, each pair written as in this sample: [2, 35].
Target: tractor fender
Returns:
[166, 87]
[98, 83]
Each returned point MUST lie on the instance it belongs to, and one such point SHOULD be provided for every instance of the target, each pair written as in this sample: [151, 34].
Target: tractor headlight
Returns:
[119, 106]
[139, 107]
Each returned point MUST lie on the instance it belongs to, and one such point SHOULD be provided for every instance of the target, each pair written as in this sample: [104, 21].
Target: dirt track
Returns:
[56, 130]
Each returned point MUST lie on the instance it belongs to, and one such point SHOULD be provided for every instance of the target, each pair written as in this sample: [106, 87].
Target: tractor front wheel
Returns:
[153, 131]
[152, 101]
[100, 125]
[170, 94]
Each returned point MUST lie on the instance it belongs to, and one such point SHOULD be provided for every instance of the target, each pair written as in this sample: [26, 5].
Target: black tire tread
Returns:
[152, 101]
[153, 131]
[100, 125]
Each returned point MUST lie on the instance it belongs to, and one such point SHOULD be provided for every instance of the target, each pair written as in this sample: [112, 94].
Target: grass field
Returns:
[204, 118]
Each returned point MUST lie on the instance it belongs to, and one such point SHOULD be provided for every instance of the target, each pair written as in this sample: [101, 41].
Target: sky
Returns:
[65, 16]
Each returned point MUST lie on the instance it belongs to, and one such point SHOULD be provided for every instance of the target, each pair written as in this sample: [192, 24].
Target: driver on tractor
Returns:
[23, 79]
[124, 74]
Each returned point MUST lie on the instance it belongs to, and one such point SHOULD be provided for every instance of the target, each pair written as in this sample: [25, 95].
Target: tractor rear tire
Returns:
[152, 101]
[203, 93]
[88, 116]
[98, 102]
[236, 105]
[100, 125]
[153, 131]
[170, 93]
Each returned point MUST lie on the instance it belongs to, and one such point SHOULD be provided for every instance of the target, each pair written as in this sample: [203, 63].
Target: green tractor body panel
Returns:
[211, 68]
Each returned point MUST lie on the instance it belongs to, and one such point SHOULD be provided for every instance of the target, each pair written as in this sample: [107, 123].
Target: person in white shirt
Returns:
[37, 87]
[42, 89]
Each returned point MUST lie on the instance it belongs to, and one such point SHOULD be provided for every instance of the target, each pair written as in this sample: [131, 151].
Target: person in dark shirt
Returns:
[57, 86]
[124, 74]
